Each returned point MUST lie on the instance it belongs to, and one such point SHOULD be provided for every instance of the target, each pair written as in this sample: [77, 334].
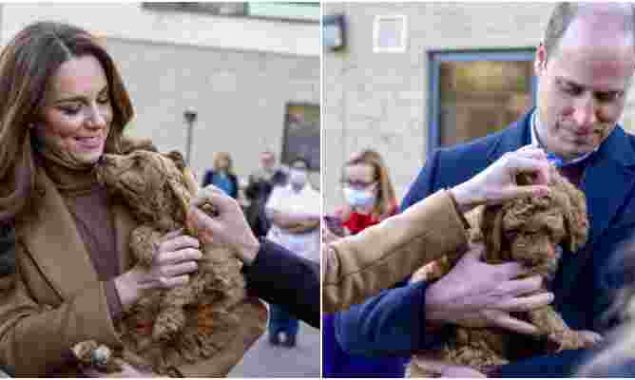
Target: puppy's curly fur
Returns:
[167, 328]
[527, 230]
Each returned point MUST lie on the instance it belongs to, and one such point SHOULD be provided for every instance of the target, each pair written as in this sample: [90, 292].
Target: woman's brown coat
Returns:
[361, 265]
[55, 299]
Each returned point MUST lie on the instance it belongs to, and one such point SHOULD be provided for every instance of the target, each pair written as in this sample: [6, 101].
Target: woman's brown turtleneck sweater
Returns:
[88, 203]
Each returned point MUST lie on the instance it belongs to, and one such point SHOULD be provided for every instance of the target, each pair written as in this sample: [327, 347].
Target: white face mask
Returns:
[297, 177]
[359, 198]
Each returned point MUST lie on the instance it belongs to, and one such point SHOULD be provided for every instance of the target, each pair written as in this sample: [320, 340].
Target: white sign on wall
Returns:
[390, 34]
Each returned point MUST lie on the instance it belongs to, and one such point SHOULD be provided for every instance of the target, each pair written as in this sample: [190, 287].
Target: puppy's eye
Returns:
[510, 235]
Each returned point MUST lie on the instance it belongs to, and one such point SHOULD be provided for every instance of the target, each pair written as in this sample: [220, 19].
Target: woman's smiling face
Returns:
[77, 113]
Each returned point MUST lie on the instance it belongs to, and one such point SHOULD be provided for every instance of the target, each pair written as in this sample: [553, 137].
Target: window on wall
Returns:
[287, 11]
[216, 8]
[477, 93]
[302, 134]
[297, 11]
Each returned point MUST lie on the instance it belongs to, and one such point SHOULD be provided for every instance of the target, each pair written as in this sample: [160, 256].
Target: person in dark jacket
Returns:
[222, 175]
[259, 187]
[272, 272]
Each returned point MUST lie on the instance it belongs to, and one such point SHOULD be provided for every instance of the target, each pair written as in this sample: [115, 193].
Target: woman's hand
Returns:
[497, 182]
[228, 227]
[173, 261]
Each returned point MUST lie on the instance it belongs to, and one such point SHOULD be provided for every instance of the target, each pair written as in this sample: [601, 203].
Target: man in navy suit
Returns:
[584, 67]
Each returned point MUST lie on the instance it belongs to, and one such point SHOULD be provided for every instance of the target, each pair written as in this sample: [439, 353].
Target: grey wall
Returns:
[380, 100]
[240, 97]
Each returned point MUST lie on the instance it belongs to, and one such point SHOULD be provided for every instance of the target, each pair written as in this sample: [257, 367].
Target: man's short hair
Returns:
[562, 16]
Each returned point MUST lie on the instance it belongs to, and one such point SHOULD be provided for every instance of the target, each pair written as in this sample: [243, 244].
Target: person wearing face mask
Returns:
[368, 192]
[294, 211]
[222, 175]
[370, 198]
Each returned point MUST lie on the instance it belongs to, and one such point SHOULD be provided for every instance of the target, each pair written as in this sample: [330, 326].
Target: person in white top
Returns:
[294, 211]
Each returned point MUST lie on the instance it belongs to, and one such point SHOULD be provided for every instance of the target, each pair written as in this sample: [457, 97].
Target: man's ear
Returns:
[540, 60]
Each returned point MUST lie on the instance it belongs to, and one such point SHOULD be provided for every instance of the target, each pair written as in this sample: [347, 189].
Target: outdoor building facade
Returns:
[416, 76]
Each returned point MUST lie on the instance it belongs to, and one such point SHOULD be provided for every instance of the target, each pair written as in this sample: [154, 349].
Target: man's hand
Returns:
[229, 227]
[497, 182]
[477, 294]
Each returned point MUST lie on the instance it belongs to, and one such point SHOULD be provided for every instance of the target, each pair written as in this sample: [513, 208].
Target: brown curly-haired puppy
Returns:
[527, 230]
[167, 328]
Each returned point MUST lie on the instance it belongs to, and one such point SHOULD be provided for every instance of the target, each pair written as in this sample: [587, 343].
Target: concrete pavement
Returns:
[265, 360]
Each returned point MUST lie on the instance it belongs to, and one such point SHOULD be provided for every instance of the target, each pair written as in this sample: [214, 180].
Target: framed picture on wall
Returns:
[301, 135]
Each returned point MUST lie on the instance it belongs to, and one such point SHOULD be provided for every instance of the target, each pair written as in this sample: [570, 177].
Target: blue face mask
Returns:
[359, 198]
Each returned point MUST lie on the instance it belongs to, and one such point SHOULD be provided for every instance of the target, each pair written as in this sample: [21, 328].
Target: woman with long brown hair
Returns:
[63, 106]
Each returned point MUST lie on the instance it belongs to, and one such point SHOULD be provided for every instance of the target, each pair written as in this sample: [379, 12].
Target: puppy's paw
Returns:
[573, 340]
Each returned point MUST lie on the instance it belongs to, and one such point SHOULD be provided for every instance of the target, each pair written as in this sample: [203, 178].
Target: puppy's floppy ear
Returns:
[576, 221]
[492, 230]
[177, 158]
[188, 177]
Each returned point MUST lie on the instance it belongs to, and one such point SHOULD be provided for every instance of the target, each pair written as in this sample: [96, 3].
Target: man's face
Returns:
[267, 161]
[582, 88]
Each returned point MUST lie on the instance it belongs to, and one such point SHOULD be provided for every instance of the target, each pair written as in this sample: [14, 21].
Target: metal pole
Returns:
[190, 118]
[188, 150]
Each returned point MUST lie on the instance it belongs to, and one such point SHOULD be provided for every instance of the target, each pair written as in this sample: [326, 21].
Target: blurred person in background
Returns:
[222, 175]
[368, 192]
[259, 187]
[370, 198]
[294, 211]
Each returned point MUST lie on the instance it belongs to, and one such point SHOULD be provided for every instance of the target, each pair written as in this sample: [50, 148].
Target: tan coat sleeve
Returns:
[34, 337]
[359, 266]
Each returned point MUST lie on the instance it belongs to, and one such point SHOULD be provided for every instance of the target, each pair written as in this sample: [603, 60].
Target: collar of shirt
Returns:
[556, 160]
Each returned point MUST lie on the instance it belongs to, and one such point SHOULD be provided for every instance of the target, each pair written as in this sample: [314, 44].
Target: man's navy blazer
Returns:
[584, 283]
